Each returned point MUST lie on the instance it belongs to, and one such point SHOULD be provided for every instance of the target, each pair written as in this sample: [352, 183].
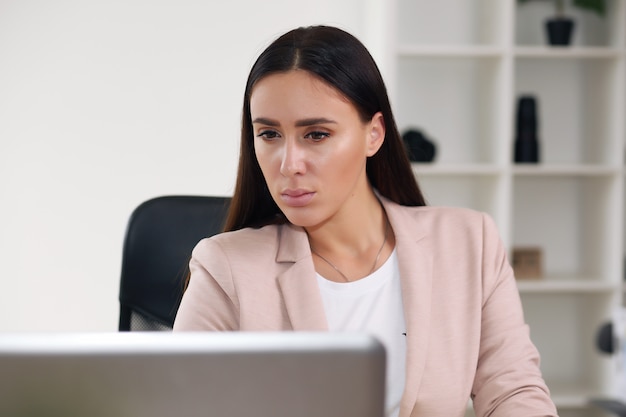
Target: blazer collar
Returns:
[293, 244]
[298, 283]
[415, 262]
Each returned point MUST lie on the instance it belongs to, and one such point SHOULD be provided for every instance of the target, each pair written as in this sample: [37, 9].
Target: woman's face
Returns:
[312, 146]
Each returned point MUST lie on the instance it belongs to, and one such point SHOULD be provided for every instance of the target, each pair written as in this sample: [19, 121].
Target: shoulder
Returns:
[236, 255]
[248, 241]
[440, 219]
[445, 215]
[456, 217]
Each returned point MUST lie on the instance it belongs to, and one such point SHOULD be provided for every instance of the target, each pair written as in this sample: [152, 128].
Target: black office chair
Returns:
[160, 236]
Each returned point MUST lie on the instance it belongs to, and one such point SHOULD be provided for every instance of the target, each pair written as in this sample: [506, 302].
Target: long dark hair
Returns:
[343, 62]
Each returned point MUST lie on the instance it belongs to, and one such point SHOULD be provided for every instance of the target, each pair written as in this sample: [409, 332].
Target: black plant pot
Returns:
[559, 31]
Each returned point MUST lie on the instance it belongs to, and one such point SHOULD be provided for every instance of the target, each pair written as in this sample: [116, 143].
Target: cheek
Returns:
[349, 160]
[263, 157]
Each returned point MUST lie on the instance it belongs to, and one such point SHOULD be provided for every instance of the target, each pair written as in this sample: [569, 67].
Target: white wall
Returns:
[104, 104]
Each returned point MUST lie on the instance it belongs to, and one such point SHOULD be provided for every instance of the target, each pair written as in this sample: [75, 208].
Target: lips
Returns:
[297, 198]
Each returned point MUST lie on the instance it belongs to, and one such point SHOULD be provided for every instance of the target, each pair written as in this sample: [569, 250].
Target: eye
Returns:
[317, 136]
[268, 134]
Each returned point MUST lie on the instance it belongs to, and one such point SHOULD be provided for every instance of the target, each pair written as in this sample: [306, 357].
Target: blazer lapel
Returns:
[298, 283]
[415, 258]
[304, 305]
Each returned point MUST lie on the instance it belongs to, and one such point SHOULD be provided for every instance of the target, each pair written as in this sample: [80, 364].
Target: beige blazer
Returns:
[466, 335]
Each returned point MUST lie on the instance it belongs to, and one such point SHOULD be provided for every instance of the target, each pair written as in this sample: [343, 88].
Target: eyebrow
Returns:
[300, 123]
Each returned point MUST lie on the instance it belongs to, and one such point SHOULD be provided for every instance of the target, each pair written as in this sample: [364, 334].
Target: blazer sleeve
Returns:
[508, 379]
[210, 301]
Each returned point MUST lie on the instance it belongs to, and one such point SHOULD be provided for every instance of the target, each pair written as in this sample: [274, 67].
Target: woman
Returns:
[328, 230]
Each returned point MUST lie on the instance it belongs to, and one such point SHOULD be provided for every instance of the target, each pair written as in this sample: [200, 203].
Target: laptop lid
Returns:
[156, 374]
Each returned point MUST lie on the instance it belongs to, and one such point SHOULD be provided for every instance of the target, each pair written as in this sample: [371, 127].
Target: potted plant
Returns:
[560, 27]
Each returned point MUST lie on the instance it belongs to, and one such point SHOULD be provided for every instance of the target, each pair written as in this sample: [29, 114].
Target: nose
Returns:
[293, 159]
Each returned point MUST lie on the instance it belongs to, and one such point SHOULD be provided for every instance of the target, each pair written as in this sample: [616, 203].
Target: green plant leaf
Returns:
[598, 6]
[558, 5]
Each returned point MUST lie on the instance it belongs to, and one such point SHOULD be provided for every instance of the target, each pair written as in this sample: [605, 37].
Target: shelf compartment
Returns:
[577, 108]
[590, 28]
[574, 369]
[449, 22]
[572, 220]
[456, 103]
[479, 192]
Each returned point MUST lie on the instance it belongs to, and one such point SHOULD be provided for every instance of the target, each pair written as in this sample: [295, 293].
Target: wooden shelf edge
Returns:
[456, 169]
[566, 169]
[518, 170]
[493, 51]
[546, 286]
[449, 51]
[571, 52]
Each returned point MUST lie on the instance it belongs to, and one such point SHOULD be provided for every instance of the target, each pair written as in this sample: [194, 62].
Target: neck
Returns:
[354, 229]
[350, 247]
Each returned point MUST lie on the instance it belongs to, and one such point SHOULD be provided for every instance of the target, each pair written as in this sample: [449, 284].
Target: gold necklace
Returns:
[375, 260]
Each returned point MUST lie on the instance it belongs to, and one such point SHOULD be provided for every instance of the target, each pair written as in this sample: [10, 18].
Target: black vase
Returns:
[559, 31]
[526, 140]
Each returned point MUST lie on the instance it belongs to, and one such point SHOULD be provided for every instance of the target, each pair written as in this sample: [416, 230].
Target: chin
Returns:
[300, 217]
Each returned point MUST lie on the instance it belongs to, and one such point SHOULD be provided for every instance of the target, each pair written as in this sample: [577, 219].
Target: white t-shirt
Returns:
[373, 305]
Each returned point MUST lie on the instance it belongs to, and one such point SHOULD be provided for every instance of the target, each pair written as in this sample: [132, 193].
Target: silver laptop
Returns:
[155, 374]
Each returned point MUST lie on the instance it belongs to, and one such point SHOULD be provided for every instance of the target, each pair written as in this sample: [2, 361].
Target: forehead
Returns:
[295, 90]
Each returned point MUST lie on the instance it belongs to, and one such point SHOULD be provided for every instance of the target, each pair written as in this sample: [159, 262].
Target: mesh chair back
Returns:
[160, 236]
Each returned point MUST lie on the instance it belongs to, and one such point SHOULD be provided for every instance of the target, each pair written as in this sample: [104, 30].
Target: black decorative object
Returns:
[559, 31]
[605, 338]
[526, 140]
[419, 148]
[559, 28]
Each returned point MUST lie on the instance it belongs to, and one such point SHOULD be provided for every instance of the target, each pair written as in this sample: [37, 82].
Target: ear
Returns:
[375, 134]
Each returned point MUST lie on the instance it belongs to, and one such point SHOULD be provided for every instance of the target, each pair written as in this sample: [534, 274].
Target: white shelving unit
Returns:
[458, 68]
